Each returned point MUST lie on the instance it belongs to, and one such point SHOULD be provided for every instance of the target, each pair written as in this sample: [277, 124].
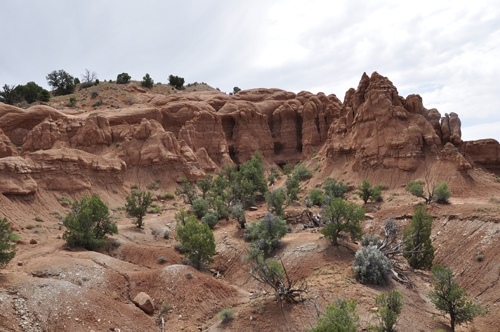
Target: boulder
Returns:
[145, 302]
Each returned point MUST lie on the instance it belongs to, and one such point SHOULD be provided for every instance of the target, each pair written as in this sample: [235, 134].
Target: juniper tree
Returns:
[449, 298]
[343, 217]
[88, 223]
[197, 240]
[7, 252]
[137, 205]
[417, 239]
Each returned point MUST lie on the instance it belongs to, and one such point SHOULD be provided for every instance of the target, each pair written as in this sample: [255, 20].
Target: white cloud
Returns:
[482, 131]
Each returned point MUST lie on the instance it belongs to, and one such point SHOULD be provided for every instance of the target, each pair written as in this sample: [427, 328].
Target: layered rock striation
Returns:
[189, 134]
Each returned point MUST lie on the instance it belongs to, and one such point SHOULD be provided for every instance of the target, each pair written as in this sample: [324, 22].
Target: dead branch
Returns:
[286, 289]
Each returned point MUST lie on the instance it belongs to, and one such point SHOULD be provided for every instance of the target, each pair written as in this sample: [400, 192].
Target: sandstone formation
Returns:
[188, 134]
[379, 128]
[6, 147]
[485, 152]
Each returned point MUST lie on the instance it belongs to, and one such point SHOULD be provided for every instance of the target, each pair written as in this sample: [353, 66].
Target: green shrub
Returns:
[418, 236]
[94, 94]
[189, 275]
[7, 251]
[28, 92]
[147, 81]
[186, 191]
[238, 213]
[211, 219]
[442, 193]
[249, 181]
[316, 197]
[123, 78]
[334, 189]
[88, 223]
[275, 200]
[166, 196]
[154, 231]
[339, 317]
[343, 217]
[153, 186]
[371, 266]
[154, 208]
[226, 315]
[179, 248]
[117, 243]
[137, 205]
[365, 191]
[371, 240]
[287, 169]
[302, 172]
[205, 185]
[176, 81]
[85, 85]
[315, 167]
[292, 187]
[166, 234]
[38, 218]
[115, 191]
[72, 101]
[199, 207]
[97, 103]
[266, 233]
[134, 186]
[314, 154]
[197, 240]
[61, 82]
[64, 200]
[162, 259]
[389, 307]
[96, 82]
[449, 298]
[44, 96]
[30, 226]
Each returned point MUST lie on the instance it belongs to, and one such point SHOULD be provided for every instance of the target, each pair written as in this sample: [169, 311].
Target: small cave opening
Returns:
[232, 154]
[278, 148]
[298, 129]
[228, 124]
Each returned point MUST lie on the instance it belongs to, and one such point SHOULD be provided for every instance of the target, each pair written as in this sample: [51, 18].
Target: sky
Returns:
[446, 51]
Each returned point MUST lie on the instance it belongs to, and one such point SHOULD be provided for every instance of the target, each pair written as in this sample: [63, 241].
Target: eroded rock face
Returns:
[377, 129]
[96, 131]
[6, 147]
[15, 177]
[205, 131]
[187, 134]
[250, 133]
[16, 122]
[483, 151]
[318, 114]
[452, 154]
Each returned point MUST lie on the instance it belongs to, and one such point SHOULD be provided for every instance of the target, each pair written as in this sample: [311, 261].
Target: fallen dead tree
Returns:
[392, 247]
[274, 275]
[306, 217]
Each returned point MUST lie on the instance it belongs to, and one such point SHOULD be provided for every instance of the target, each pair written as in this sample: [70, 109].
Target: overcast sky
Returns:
[446, 51]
